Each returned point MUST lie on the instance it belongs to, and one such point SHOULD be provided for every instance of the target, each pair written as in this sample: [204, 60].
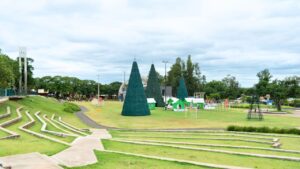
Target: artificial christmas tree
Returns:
[135, 103]
[182, 91]
[153, 88]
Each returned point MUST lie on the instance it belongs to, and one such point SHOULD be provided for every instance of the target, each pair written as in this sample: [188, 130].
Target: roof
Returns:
[194, 100]
[151, 100]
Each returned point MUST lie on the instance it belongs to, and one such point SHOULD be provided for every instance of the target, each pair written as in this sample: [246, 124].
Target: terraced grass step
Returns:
[7, 114]
[11, 134]
[201, 156]
[44, 127]
[178, 160]
[212, 150]
[59, 128]
[63, 124]
[26, 127]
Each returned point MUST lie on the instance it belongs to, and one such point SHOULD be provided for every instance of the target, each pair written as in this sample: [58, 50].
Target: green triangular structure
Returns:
[135, 103]
[153, 88]
[182, 91]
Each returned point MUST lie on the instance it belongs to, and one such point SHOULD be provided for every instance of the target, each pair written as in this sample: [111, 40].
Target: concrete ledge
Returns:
[212, 150]
[205, 134]
[177, 160]
[44, 127]
[56, 126]
[7, 114]
[30, 123]
[12, 121]
[199, 138]
[68, 127]
[75, 128]
[217, 145]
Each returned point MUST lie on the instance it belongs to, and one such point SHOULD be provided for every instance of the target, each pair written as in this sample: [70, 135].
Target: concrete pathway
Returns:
[29, 161]
[85, 119]
[82, 149]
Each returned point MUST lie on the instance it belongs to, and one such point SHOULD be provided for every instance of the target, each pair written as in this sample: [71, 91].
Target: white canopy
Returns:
[151, 100]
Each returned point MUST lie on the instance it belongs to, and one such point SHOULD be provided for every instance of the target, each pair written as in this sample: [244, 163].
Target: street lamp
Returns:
[165, 62]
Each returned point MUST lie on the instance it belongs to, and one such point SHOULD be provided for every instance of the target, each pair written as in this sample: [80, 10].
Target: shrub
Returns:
[263, 129]
[71, 107]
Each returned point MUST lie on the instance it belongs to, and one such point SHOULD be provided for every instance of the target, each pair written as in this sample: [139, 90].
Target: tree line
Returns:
[228, 87]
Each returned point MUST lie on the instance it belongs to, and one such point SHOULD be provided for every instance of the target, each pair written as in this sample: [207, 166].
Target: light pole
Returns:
[98, 87]
[165, 62]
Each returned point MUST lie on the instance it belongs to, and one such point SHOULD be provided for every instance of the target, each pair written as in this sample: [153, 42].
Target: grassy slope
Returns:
[112, 161]
[202, 156]
[28, 143]
[109, 115]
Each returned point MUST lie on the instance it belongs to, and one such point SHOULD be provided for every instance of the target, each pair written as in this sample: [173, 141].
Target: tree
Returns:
[278, 92]
[182, 91]
[8, 72]
[232, 90]
[293, 88]
[153, 87]
[264, 78]
[135, 103]
[175, 74]
[215, 86]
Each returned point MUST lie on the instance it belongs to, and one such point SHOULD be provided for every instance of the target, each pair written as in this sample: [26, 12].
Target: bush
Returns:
[71, 107]
[263, 129]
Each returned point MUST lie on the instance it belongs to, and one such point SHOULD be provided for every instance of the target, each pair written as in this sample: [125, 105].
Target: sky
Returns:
[85, 38]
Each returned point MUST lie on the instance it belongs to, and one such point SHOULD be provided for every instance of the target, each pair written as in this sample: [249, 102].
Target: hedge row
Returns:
[264, 129]
[71, 107]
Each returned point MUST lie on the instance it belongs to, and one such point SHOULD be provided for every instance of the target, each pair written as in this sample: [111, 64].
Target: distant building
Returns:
[168, 90]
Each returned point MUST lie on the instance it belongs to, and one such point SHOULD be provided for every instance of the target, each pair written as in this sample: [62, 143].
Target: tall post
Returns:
[98, 87]
[25, 71]
[20, 71]
[165, 93]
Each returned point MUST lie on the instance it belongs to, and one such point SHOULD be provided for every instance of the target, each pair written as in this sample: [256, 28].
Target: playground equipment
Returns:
[254, 110]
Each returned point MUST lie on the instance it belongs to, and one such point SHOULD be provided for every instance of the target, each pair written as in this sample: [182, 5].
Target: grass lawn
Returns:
[29, 143]
[202, 156]
[110, 115]
[118, 161]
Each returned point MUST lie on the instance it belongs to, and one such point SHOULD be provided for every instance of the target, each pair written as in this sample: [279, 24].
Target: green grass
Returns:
[110, 115]
[118, 161]
[202, 156]
[29, 143]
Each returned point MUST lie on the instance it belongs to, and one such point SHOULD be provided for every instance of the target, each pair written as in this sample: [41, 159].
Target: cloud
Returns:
[85, 38]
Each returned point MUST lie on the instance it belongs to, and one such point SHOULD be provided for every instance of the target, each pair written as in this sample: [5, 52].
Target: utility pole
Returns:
[25, 72]
[20, 71]
[165, 62]
[98, 87]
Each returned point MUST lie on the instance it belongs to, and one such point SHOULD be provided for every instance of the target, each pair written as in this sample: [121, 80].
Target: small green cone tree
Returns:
[153, 87]
[135, 103]
[182, 91]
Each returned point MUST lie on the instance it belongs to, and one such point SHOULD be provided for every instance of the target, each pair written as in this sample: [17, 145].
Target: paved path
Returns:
[29, 161]
[85, 119]
[82, 149]
[80, 153]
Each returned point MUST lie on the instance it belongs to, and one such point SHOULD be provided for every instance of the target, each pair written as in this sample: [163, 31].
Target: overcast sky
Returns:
[83, 38]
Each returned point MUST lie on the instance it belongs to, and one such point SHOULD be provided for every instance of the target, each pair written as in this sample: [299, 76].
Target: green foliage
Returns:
[182, 91]
[190, 71]
[74, 88]
[264, 129]
[264, 78]
[71, 107]
[153, 88]
[8, 72]
[135, 103]
[278, 92]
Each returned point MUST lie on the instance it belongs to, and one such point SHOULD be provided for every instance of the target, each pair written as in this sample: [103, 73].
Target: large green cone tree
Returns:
[153, 88]
[135, 103]
[182, 91]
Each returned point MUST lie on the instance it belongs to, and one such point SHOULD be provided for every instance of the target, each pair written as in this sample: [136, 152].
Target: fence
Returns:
[7, 92]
